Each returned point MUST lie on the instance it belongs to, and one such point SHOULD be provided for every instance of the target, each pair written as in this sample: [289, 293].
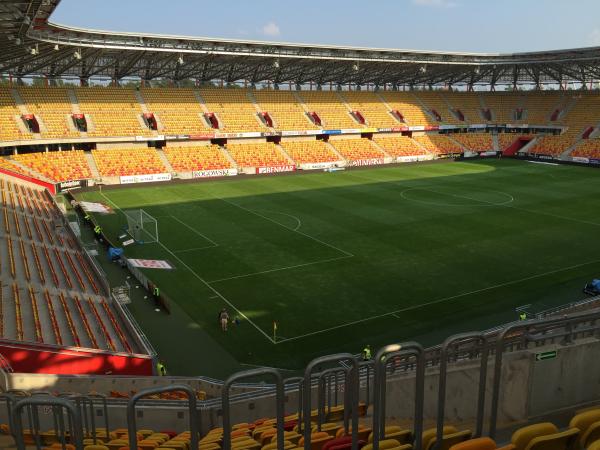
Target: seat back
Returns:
[475, 444]
[523, 436]
[430, 434]
[556, 441]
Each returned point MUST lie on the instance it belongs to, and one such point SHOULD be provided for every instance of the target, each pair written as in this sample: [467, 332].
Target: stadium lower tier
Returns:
[67, 165]
[52, 298]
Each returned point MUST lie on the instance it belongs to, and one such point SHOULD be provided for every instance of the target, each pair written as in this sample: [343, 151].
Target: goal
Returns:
[141, 226]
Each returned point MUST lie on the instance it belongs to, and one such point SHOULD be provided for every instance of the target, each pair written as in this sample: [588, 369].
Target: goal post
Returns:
[141, 226]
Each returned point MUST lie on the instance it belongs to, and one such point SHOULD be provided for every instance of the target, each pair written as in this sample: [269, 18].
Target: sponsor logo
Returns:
[594, 161]
[275, 169]
[130, 179]
[581, 159]
[70, 184]
[318, 166]
[366, 162]
[202, 137]
[214, 173]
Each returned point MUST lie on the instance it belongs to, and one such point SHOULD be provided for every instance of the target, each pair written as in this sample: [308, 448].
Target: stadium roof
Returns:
[31, 45]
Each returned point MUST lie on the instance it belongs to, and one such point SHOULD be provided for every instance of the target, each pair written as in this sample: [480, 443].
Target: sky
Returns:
[488, 26]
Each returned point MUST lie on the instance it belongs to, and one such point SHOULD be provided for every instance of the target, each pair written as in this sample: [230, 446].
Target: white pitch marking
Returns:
[217, 293]
[214, 244]
[287, 228]
[441, 300]
[298, 221]
[280, 269]
[188, 250]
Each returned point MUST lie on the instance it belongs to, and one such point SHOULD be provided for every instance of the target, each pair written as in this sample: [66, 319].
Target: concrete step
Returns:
[92, 163]
[165, 160]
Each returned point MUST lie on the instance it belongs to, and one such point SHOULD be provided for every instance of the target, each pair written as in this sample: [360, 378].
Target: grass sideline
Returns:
[366, 256]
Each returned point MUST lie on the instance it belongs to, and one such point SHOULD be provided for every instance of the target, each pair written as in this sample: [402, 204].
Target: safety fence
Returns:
[363, 394]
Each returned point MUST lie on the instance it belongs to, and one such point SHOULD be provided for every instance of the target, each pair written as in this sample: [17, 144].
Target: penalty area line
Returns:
[279, 269]
[438, 301]
[193, 272]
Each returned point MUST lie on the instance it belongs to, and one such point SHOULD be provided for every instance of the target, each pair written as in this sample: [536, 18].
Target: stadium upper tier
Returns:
[61, 113]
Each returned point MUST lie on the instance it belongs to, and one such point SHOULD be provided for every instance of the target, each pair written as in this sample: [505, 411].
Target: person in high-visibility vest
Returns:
[98, 230]
[523, 316]
[162, 370]
[366, 353]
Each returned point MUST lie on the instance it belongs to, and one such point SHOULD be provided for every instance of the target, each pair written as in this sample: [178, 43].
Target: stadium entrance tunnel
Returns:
[456, 196]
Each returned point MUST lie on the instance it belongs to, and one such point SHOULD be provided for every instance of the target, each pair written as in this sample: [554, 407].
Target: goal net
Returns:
[141, 226]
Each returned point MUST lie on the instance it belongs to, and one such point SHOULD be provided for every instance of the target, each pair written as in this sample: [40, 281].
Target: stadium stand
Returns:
[371, 107]
[504, 106]
[114, 111]
[53, 106]
[468, 103]
[233, 108]
[406, 104]
[478, 142]
[206, 157]
[177, 109]
[123, 162]
[438, 107]
[263, 154]
[438, 144]
[329, 107]
[52, 284]
[9, 115]
[589, 148]
[57, 166]
[307, 152]
[399, 145]
[284, 109]
[505, 140]
[357, 149]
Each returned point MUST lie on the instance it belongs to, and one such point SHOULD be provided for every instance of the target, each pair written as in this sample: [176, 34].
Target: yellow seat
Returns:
[475, 444]
[395, 432]
[557, 441]
[95, 447]
[287, 445]
[389, 444]
[594, 446]
[588, 423]
[523, 436]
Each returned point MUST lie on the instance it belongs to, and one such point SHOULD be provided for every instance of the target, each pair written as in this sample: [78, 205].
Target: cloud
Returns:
[271, 29]
[436, 3]
[594, 37]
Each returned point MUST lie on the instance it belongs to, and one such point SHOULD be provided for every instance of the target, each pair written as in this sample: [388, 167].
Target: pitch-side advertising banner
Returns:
[130, 179]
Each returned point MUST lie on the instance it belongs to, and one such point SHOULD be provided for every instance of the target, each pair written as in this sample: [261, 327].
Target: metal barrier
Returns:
[58, 406]
[453, 344]
[350, 395]
[278, 403]
[324, 379]
[192, 407]
[383, 358]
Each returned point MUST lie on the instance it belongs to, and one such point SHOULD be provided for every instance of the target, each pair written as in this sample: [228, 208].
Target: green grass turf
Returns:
[366, 256]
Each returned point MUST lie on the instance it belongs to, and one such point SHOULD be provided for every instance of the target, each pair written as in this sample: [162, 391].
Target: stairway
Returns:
[201, 101]
[36, 174]
[485, 107]
[496, 143]
[229, 157]
[335, 150]
[141, 101]
[74, 101]
[165, 160]
[567, 153]
[381, 149]
[92, 163]
[286, 154]
[424, 108]
[388, 107]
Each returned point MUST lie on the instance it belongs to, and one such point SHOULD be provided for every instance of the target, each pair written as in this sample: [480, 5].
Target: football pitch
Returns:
[369, 256]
